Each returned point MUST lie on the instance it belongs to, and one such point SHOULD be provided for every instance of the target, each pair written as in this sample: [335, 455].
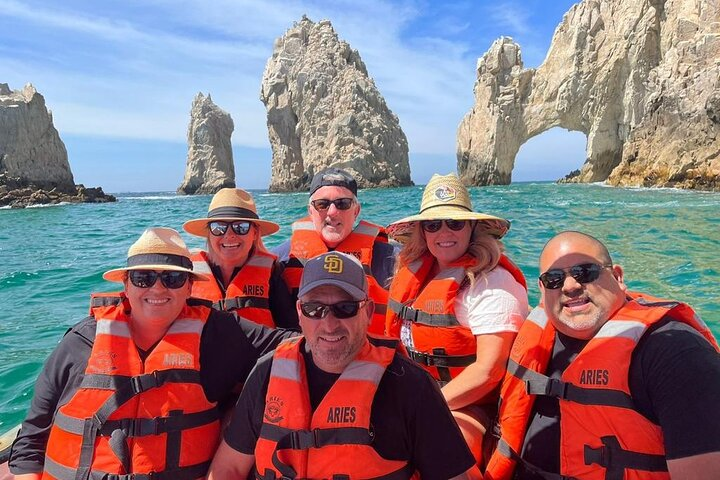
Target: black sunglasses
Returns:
[146, 278]
[318, 311]
[219, 228]
[432, 226]
[340, 203]
[583, 273]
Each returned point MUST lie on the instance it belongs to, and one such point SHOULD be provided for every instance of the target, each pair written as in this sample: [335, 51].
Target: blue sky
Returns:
[120, 76]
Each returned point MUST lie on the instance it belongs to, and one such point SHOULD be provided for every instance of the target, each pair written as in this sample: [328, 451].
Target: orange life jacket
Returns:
[150, 419]
[334, 441]
[438, 342]
[248, 292]
[306, 243]
[602, 436]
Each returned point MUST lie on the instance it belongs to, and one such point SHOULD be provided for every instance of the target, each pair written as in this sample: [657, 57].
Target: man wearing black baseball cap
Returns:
[333, 210]
[337, 403]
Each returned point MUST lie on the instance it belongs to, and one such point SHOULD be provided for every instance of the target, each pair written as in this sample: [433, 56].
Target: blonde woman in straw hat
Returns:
[245, 277]
[456, 301]
[133, 389]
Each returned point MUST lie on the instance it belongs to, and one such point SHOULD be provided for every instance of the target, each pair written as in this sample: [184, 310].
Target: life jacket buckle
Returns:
[141, 383]
[304, 439]
[409, 313]
[600, 455]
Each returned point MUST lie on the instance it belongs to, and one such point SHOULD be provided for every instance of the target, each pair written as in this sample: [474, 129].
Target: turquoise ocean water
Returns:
[668, 241]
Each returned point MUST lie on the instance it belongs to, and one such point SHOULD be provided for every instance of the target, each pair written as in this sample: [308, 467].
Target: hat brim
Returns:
[118, 274]
[199, 226]
[495, 226]
[355, 292]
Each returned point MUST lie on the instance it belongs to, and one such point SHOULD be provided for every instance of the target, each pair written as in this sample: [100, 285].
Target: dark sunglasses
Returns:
[583, 273]
[318, 311]
[219, 228]
[432, 226]
[340, 203]
[147, 278]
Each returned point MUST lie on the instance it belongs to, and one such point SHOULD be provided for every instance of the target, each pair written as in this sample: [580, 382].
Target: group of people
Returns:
[370, 352]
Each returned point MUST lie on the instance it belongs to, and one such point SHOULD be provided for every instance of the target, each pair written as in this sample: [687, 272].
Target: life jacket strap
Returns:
[241, 302]
[406, 312]
[615, 459]
[539, 384]
[507, 451]
[440, 359]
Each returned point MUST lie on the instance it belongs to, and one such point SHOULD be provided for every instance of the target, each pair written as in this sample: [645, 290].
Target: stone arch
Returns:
[633, 75]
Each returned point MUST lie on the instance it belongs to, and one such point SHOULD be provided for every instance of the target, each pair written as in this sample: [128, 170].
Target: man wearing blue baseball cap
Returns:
[333, 211]
[337, 403]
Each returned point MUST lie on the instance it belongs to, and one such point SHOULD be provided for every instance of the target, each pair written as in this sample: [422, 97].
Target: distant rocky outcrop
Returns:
[210, 160]
[34, 164]
[323, 109]
[641, 78]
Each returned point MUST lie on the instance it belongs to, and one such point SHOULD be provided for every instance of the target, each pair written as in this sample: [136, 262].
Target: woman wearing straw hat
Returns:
[456, 301]
[245, 276]
[133, 390]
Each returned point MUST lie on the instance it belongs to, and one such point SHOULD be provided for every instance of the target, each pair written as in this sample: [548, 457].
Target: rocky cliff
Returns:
[210, 160]
[34, 166]
[324, 110]
[641, 78]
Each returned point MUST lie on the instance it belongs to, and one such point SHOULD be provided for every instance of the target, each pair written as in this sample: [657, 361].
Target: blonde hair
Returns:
[483, 247]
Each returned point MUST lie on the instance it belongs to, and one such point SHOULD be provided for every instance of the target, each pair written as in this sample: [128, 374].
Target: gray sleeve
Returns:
[282, 251]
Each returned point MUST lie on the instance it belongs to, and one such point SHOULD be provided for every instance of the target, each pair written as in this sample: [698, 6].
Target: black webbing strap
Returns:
[106, 301]
[439, 360]
[173, 444]
[191, 472]
[141, 427]
[615, 459]
[506, 450]
[317, 438]
[406, 312]
[125, 389]
[443, 372]
[539, 384]
[118, 444]
[242, 302]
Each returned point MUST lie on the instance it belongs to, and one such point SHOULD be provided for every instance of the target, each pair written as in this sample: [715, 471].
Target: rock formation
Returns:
[641, 78]
[34, 166]
[324, 110]
[210, 160]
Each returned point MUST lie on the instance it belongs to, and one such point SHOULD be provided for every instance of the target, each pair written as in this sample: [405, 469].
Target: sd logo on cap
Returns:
[335, 268]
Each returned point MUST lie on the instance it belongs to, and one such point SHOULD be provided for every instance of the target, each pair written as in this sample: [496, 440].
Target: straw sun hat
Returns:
[446, 198]
[157, 248]
[230, 205]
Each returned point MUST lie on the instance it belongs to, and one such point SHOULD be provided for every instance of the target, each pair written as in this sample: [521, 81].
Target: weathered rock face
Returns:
[210, 161]
[19, 193]
[324, 110]
[639, 77]
[30, 146]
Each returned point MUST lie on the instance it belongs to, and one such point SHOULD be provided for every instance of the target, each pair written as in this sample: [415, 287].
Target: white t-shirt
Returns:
[495, 303]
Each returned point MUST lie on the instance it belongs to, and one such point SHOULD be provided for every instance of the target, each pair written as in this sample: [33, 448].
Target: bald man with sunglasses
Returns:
[607, 383]
[332, 225]
[338, 403]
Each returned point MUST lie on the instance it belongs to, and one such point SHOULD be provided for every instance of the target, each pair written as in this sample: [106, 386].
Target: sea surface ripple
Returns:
[668, 242]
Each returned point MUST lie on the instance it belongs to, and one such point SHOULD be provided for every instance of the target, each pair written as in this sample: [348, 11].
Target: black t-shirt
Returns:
[409, 416]
[229, 349]
[282, 305]
[674, 381]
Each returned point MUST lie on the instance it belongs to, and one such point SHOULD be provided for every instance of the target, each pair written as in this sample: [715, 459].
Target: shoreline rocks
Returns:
[323, 109]
[34, 167]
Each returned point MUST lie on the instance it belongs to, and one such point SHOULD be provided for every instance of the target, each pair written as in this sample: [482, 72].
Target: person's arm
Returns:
[28, 476]
[705, 466]
[264, 339]
[282, 305]
[229, 464]
[480, 378]
[58, 380]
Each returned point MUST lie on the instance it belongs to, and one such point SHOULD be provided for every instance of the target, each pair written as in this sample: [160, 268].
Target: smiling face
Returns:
[448, 245]
[333, 224]
[157, 306]
[333, 342]
[580, 310]
[231, 250]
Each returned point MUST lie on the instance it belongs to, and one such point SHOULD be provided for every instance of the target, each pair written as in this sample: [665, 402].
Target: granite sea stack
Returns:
[641, 78]
[323, 109]
[34, 166]
[210, 160]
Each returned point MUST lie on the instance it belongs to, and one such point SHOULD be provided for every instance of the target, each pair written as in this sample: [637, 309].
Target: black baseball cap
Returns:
[333, 177]
[335, 268]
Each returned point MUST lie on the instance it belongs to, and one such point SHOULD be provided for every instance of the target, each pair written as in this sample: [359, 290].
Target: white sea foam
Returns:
[45, 205]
